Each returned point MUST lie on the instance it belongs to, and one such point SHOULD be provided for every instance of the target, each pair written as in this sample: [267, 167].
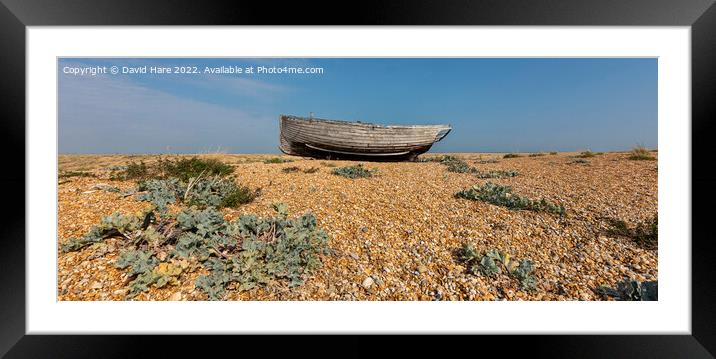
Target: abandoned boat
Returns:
[334, 139]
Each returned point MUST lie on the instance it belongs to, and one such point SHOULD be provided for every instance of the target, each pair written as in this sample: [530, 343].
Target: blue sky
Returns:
[494, 105]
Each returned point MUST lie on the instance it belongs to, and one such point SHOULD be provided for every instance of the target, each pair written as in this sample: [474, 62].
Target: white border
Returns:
[671, 314]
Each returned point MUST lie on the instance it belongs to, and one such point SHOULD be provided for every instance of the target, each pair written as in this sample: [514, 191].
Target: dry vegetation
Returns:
[560, 232]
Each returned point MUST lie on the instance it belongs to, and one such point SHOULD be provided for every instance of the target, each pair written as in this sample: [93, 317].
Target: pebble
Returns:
[96, 285]
[367, 283]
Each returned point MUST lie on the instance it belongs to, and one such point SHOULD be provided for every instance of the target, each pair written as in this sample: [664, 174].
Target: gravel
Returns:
[402, 224]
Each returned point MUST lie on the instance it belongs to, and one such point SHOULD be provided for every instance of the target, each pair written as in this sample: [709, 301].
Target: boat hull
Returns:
[320, 138]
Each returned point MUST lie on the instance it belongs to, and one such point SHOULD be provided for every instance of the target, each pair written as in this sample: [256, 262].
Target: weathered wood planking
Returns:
[323, 138]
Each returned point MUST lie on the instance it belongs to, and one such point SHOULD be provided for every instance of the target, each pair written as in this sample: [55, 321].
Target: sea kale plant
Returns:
[249, 251]
[158, 248]
[115, 225]
[202, 192]
[523, 273]
[457, 165]
[161, 192]
[503, 196]
[277, 160]
[146, 270]
[493, 263]
[645, 234]
[453, 163]
[496, 174]
[354, 172]
[632, 290]
[428, 159]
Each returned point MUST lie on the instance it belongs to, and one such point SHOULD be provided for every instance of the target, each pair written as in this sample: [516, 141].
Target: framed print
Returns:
[502, 172]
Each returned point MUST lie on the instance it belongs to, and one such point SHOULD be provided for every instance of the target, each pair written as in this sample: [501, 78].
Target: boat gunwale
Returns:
[361, 124]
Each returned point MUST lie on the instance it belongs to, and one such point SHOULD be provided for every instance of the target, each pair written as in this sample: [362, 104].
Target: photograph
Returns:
[357, 179]
[485, 170]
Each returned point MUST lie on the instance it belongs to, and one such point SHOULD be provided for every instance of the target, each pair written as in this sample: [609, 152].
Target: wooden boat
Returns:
[333, 139]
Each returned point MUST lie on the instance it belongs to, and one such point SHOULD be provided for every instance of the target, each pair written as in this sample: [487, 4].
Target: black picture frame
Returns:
[700, 15]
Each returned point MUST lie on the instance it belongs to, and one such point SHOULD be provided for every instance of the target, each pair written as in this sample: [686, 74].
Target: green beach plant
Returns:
[641, 153]
[250, 251]
[645, 234]
[496, 174]
[354, 172]
[631, 290]
[493, 263]
[503, 196]
[277, 160]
